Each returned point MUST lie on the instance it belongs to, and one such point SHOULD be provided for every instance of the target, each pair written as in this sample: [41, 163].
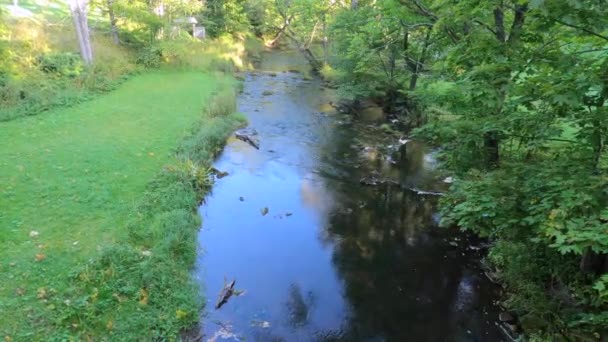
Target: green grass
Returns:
[74, 176]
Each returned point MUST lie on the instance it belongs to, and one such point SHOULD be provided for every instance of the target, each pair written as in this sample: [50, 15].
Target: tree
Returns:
[113, 27]
[79, 16]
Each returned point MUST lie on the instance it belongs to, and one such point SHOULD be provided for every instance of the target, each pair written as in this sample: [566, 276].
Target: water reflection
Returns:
[334, 260]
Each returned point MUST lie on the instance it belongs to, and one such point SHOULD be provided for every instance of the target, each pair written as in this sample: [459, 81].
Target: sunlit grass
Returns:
[70, 178]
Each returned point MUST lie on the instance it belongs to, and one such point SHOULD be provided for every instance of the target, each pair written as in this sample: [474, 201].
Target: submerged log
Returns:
[425, 193]
[247, 136]
[225, 294]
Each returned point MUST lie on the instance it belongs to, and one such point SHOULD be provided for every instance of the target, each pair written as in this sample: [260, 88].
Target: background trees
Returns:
[515, 93]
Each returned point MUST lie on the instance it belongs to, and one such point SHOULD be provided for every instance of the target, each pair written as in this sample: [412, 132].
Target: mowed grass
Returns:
[69, 179]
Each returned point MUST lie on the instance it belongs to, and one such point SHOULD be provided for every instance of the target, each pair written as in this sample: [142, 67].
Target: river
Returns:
[319, 256]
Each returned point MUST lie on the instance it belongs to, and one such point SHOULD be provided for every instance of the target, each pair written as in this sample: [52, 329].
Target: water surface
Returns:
[332, 260]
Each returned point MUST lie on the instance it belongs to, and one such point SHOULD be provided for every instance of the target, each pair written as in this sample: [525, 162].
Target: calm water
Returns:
[333, 260]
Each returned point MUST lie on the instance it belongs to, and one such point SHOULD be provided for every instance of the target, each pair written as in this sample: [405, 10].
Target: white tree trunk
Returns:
[79, 15]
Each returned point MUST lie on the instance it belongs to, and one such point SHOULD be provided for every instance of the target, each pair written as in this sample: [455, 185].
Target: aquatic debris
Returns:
[224, 333]
[403, 141]
[241, 198]
[288, 214]
[267, 93]
[225, 294]
[425, 193]
[260, 324]
[373, 181]
[219, 174]
[247, 135]
[264, 211]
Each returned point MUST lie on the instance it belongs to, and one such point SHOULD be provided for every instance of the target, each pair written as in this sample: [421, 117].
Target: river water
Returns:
[332, 259]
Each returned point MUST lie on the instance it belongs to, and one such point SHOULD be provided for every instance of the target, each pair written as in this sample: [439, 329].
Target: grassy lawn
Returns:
[69, 180]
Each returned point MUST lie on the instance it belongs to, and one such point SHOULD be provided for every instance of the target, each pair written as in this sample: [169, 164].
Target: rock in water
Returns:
[264, 211]
[506, 317]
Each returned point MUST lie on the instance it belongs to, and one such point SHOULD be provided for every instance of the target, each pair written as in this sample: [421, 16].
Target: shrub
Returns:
[61, 63]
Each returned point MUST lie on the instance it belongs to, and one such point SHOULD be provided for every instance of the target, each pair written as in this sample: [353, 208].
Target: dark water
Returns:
[333, 260]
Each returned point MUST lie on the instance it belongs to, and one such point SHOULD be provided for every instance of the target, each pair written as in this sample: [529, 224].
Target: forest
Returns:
[513, 94]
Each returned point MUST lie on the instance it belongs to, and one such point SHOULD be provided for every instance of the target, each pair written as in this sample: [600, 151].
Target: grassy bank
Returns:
[89, 247]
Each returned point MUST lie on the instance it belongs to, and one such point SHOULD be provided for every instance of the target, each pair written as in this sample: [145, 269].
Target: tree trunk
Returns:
[492, 149]
[279, 34]
[592, 262]
[79, 16]
[113, 27]
[421, 60]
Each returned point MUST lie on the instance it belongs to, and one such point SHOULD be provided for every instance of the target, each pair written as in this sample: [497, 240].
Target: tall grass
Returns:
[29, 87]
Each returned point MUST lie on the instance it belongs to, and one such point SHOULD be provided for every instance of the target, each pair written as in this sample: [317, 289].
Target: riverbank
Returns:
[76, 260]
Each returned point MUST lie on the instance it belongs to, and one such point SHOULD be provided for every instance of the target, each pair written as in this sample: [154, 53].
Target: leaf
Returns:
[143, 296]
[181, 314]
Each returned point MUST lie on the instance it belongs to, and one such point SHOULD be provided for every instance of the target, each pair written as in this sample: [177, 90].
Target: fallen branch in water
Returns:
[246, 137]
[225, 294]
[425, 193]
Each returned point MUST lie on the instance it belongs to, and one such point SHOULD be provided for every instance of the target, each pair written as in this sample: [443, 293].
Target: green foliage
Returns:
[61, 64]
[150, 56]
[516, 95]
[225, 16]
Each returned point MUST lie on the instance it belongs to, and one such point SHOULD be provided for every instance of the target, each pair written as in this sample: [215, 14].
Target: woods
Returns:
[514, 95]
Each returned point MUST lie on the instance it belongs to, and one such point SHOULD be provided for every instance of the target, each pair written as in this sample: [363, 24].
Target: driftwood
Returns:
[225, 294]
[248, 138]
[425, 193]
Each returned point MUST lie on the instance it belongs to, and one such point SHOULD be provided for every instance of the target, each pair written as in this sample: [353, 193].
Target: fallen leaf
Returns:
[110, 325]
[151, 154]
[40, 257]
[7, 338]
[119, 298]
[34, 233]
[143, 297]
[20, 291]
[41, 293]
[180, 314]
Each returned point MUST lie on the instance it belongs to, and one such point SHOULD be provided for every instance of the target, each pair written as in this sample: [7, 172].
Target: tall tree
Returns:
[113, 26]
[81, 25]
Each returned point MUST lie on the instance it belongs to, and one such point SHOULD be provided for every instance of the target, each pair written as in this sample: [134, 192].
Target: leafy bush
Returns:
[61, 64]
[150, 56]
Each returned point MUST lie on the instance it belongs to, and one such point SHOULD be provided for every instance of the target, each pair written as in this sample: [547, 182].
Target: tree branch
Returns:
[584, 29]
[486, 26]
